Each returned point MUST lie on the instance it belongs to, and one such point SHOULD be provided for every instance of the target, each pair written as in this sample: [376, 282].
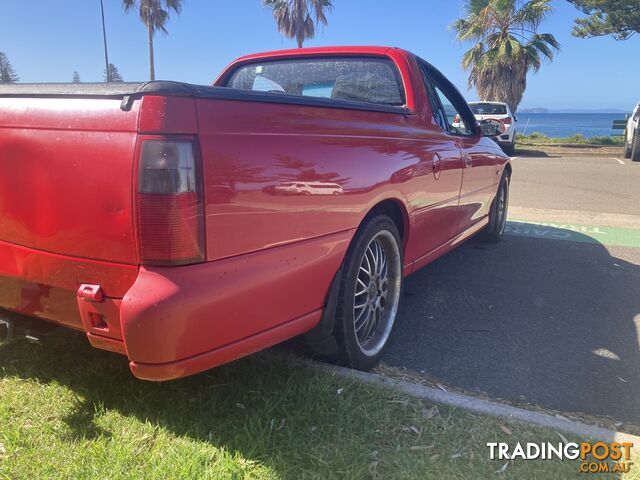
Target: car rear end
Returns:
[95, 183]
[500, 112]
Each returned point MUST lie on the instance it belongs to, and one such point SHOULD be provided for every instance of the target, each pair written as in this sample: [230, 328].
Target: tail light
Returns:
[170, 204]
[456, 119]
[507, 121]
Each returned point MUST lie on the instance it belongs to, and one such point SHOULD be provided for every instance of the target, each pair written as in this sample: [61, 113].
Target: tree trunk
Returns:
[152, 69]
[300, 41]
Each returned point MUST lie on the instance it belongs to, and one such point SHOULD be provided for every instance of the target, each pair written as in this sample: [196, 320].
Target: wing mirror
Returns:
[491, 128]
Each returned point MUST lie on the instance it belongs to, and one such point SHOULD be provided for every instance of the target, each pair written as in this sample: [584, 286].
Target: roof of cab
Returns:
[399, 55]
[294, 52]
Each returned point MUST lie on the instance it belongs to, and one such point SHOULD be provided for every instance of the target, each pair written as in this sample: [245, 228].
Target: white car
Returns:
[632, 136]
[307, 188]
[501, 112]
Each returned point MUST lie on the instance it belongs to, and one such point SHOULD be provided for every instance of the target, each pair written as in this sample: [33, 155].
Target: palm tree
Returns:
[154, 14]
[295, 18]
[507, 46]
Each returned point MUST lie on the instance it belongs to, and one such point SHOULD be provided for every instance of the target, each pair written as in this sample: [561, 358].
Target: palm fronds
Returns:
[297, 19]
[506, 47]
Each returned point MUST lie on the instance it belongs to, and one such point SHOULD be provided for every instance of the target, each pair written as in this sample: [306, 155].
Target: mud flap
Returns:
[321, 338]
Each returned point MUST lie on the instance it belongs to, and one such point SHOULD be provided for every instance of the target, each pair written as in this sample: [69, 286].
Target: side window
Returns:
[438, 112]
[455, 121]
[445, 112]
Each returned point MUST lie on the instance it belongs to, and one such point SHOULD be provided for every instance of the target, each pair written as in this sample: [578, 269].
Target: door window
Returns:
[450, 111]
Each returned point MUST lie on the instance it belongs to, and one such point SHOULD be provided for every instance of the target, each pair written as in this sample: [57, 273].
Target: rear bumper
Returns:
[227, 353]
[504, 140]
[44, 285]
[176, 321]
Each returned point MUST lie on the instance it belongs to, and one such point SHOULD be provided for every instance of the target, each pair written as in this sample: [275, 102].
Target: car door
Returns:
[479, 179]
[434, 200]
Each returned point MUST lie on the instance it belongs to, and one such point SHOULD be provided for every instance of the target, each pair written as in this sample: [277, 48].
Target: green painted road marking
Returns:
[622, 237]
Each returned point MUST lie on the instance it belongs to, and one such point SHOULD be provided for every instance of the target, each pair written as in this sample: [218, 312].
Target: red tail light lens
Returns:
[456, 119]
[170, 206]
[507, 121]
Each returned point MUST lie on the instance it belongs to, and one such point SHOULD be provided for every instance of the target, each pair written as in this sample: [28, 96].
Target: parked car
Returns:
[149, 215]
[501, 112]
[306, 188]
[632, 136]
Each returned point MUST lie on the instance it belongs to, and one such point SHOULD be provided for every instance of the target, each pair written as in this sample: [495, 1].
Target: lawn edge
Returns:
[477, 405]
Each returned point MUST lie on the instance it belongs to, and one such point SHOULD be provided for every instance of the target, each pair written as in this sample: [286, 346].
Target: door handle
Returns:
[437, 166]
[468, 161]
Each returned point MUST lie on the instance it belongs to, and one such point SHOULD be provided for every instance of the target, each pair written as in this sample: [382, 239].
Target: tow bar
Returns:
[19, 327]
[6, 330]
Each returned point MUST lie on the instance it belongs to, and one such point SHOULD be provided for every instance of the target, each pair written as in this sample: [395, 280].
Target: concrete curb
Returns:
[619, 220]
[485, 407]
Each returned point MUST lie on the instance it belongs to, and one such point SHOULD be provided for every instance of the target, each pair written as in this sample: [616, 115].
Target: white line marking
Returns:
[619, 161]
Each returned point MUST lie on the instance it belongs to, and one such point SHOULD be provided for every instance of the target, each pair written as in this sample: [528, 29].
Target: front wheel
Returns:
[635, 149]
[369, 294]
[498, 214]
[510, 149]
[627, 147]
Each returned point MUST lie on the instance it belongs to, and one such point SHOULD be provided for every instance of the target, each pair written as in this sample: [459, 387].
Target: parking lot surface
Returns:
[551, 315]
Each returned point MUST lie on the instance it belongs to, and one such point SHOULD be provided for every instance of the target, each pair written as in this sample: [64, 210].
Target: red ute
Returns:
[186, 226]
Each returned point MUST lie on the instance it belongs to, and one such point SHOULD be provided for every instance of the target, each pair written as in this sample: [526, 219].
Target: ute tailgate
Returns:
[66, 176]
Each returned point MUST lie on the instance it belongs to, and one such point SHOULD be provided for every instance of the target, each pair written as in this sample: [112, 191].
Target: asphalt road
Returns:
[549, 316]
[587, 184]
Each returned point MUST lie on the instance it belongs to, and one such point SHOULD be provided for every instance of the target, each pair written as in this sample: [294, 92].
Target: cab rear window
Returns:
[369, 80]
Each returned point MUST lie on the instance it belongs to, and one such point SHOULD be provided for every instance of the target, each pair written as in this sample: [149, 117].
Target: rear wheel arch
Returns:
[321, 339]
[394, 209]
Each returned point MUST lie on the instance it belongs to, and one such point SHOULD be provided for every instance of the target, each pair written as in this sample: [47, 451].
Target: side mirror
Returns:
[515, 118]
[491, 128]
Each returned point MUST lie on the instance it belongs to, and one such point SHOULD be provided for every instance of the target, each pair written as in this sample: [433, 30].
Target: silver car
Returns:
[632, 136]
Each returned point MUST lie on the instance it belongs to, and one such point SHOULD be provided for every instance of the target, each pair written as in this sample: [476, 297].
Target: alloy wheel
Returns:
[377, 293]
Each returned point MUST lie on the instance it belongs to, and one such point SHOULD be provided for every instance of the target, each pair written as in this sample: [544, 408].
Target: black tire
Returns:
[635, 149]
[509, 149]
[498, 215]
[627, 147]
[362, 347]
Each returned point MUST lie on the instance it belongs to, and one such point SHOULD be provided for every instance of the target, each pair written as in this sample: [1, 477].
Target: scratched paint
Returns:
[624, 237]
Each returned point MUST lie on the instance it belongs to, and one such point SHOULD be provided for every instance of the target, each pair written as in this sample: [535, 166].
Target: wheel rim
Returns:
[377, 293]
[503, 204]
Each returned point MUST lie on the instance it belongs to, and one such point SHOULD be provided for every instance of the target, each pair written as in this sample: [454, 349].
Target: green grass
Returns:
[578, 139]
[69, 411]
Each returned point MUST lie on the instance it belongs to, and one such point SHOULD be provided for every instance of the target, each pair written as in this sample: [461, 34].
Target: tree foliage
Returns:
[297, 19]
[507, 46]
[7, 73]
[154, 14]
[112, 74]
[76, 77]
[620, 18]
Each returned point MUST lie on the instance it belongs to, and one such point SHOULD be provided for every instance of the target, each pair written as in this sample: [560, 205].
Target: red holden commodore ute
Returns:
[186, 226]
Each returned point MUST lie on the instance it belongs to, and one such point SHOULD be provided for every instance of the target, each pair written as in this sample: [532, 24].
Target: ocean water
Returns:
[568, 124]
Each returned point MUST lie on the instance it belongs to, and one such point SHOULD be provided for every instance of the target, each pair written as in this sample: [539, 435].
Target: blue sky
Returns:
[46, 41]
